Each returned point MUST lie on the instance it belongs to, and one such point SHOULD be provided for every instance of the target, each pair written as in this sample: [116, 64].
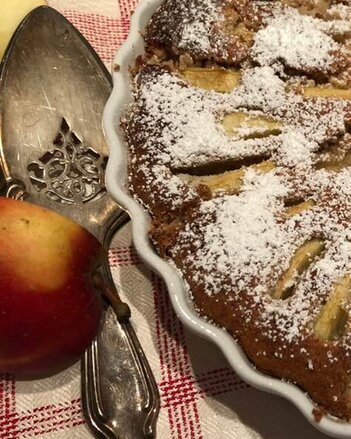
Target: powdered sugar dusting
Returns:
[197, 26]
[246, 241]
[264, 247]
[295, 39]
[248, 221]
[192, 132]
[340, 11]
[249, 245]
[247, 238]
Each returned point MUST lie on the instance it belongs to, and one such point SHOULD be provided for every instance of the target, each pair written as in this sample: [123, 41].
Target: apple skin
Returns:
[49, 308]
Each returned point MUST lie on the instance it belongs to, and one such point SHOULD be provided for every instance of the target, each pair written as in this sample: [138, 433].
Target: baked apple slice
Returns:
[220, 80]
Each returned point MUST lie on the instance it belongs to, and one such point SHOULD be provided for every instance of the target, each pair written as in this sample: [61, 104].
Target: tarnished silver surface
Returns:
[53, 89]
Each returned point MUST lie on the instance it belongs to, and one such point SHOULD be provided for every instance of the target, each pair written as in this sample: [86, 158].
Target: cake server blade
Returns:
[53, 88]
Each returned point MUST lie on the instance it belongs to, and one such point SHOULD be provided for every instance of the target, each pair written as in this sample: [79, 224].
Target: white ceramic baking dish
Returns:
[117, 186]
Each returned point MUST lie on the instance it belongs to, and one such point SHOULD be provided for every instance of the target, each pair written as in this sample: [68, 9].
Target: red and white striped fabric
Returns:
[201, 396]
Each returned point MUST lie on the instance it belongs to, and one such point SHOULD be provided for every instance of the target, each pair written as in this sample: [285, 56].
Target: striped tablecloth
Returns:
[201, 396]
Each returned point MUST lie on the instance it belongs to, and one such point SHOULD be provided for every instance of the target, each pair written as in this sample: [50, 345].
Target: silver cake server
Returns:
[53, 89]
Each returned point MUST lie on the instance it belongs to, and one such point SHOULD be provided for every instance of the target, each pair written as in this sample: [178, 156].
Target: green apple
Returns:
[49, 308]
[12, 13]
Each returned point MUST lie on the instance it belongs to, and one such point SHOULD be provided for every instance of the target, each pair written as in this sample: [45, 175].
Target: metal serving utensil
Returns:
[53, 89]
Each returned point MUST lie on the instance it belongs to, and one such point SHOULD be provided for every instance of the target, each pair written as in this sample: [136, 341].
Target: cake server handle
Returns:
[95, 376]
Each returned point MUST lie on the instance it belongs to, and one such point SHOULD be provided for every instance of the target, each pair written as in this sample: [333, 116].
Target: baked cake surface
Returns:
[240, 149]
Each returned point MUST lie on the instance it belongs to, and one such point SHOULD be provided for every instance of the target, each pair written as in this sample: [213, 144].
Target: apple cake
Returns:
[239, 138]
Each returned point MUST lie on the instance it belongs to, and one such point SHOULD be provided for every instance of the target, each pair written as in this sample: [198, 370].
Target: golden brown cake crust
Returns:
[240, 149]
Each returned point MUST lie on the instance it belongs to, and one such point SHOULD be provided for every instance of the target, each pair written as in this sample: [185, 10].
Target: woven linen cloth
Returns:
[201, 396]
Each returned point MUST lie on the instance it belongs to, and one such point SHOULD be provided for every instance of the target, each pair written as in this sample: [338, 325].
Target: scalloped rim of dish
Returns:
[116, 176]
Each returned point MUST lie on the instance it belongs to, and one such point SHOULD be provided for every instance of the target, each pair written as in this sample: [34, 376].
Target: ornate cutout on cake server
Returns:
[72, 172]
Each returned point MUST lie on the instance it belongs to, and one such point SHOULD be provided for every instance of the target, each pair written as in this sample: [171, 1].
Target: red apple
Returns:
[49, 309]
